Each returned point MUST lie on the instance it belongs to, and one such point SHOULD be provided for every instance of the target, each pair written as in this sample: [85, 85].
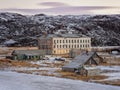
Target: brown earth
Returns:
[6, 63]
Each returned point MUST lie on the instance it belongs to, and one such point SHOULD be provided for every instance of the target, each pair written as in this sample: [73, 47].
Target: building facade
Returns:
[64, 43]
[28, 54]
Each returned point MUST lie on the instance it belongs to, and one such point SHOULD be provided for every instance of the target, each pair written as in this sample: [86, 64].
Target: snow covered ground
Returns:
[113, 72]
[19, 81]
[116, 68]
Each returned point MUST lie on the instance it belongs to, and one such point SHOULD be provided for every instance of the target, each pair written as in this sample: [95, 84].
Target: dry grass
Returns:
[37, 72]
[22, 48]
[55, 65]
[11, 63]
[72, 75]
[113, 82]
[109, 62]
[8, 50]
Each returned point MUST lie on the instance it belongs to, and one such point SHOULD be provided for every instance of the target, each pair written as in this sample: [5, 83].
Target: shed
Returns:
[88, 71]
[84, 59]
[28, 54]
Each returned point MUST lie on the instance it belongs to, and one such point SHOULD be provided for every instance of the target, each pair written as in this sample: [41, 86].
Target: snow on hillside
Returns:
[104, 29]
[18, 81]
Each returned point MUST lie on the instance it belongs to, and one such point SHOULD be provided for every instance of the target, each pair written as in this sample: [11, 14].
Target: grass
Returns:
[12, 63]
[113, 82]
[75, 76]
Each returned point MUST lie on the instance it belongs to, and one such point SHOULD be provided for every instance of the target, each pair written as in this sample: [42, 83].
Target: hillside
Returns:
[104, 29]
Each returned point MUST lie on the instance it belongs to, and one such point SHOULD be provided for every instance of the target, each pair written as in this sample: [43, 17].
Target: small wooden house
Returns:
[84, 59]
[28, 54]
[88, 71]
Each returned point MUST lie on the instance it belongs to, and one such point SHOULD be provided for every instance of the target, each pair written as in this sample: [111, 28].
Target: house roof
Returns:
[63, 35]
[28, 52]
[11, 41]
[80, 60]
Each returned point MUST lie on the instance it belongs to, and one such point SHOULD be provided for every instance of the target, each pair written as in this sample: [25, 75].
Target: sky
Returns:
[61, 7]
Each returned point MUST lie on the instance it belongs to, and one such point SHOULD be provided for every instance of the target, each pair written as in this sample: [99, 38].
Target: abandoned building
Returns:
[28, 54]
[85, 59]
[75, 52]
[61, 44]
[88, 71]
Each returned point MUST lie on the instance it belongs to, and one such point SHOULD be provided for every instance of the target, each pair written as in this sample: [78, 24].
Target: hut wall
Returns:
[93, 72]
[68, 69]
[90, 62]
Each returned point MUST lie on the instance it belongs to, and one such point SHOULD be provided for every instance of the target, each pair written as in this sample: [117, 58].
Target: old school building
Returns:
[59, 44]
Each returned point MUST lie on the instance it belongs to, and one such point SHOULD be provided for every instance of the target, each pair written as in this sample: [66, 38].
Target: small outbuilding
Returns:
[88, 71]
[28, 54]
[84, 59]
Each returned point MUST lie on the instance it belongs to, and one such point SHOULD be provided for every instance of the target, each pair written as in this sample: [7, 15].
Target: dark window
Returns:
[80, 41]
[60, 46]
[83, 45]
[75, 46]
[54, 41]
[72, 41]
[88, 41]
[66, 41]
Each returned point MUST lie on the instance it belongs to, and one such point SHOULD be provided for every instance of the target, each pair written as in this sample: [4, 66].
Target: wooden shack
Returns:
[88, 71]
[28, 54]
[84, 59]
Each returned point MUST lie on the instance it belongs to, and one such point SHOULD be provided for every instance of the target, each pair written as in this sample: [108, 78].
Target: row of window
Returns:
[71, 41]
[59, 52]
[45, 46]
[72, 46]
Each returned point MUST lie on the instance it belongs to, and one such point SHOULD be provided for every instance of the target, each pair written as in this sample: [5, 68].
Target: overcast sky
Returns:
[61, 7]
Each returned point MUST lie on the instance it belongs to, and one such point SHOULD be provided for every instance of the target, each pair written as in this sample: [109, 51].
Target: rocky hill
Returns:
[104, 29]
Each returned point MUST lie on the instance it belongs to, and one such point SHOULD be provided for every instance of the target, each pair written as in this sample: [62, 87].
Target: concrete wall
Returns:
[68, 69]
[61, 45]
[65, 45]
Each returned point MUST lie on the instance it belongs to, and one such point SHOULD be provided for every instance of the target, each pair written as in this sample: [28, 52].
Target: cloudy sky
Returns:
[61, 7]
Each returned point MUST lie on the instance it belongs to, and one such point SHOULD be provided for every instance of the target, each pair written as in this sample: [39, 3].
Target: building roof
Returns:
[63, 35]
[80, 60]
[11, 41]
[28, 52]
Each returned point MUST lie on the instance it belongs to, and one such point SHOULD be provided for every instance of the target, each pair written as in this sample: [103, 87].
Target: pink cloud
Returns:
[54, 4]
[72, 10]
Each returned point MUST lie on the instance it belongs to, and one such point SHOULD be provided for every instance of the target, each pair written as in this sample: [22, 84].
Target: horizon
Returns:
[56, 7]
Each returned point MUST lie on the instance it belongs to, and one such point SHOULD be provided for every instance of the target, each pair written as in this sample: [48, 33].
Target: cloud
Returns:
[72, 10]
[53, 4]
